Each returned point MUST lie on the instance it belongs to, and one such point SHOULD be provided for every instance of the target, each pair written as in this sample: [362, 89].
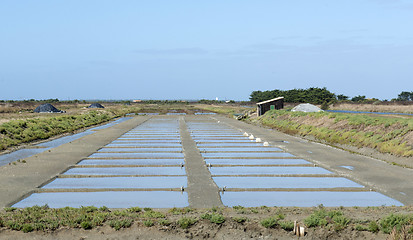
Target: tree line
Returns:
[310, 95]
[405, 96]
[318, 96]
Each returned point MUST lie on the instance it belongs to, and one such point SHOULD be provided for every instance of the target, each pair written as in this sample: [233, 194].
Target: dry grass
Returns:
[394, 108]
[383, 133]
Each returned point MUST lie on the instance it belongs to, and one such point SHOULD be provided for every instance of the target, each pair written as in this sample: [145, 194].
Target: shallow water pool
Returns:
[307, 199]
[285, 182]
[267, 170]
[127, 171]
[117, 182]
[110, 199]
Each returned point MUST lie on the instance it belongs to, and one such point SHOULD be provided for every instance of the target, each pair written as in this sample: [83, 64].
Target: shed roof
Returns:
[271, 100]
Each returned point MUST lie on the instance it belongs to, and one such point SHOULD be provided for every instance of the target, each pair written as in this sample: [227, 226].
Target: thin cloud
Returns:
[173, 51]
[286, 37]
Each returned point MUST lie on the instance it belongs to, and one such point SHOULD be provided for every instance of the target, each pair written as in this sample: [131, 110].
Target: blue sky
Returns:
[183, 49]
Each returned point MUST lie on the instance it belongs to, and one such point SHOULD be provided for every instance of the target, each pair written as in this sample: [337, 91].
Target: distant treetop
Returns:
[311, 95]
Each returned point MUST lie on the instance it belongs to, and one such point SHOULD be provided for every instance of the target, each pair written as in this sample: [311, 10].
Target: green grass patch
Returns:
[15, 132]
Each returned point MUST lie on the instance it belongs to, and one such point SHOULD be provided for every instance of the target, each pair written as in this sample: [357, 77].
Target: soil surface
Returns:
[230, 229]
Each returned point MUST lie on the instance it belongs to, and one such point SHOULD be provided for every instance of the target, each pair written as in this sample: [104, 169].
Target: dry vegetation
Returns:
[226, 109]
[386, 134]
[382, 107]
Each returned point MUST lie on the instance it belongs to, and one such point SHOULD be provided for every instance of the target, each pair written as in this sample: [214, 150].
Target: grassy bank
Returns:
[43, 219]
[15, 132]
[226, 109]
[388, 107]
[391, 135]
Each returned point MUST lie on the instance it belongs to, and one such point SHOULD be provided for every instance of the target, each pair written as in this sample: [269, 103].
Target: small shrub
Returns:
[104, 209]
[270, 222]
[239, 207]
[340, 222]
[254, 210]
[214, 217]
[373, 227]
[88, 209]
[217, 218]
[27, 228]
[86, 225]
[147, 209]
[318, 218]
[10, 209]
[361, 228]
[206, 216]
[287, 225]
[178, 211]
[239, 219]
[118, 224]
[215, 209]
[185, 222]
[148, 223]
[13, 225]
[164, 222]
[153, 214]
[394, 220]
[135, 209]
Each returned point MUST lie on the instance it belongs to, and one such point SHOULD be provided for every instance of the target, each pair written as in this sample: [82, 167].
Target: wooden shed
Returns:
[275, 103]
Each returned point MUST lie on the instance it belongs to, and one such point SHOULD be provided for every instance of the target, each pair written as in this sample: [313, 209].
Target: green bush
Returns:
[214, 217]
[86, 225]
[287, 225]
[272, 222]
[186, 222]
[153, 214]
[27, 228]
[148, 223]
[340, 222]
[395, 220]
[164, 222]
[318, 218]
[178, 211]
[118, 224]
[373, 227]
[240, 219]
[217, 218]
[269, 222]
[135, 209]
[361, 228]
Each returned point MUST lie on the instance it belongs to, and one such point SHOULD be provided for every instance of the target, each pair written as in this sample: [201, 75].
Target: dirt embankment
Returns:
[224, 223]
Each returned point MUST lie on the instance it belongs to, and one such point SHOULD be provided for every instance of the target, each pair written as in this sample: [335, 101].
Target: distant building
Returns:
[275, 103]
[137, 101]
